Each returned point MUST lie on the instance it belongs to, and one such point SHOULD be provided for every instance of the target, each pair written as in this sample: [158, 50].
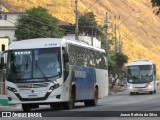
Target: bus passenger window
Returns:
[65, 66]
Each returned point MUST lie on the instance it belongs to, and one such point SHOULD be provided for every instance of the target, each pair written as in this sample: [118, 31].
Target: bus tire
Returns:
[150, 92]
[155, 91]
[70, 104]
[131, 93]
[55, 106]
[94, 102]
[26, 107]
[87, 103]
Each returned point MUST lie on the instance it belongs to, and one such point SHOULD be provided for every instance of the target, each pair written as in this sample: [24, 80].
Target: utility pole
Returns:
[92, 36]
[119, 43]
[76, 20]
[106, 24]
[115, 28]
[1, 10]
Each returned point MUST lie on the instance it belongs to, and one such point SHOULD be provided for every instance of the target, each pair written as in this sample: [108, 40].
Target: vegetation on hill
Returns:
[139, 27]
[156, 3]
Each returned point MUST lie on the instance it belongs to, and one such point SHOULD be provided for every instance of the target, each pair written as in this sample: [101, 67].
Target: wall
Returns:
[4, 41]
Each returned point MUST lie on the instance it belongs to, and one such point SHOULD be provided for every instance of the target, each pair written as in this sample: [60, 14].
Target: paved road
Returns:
[107, 106]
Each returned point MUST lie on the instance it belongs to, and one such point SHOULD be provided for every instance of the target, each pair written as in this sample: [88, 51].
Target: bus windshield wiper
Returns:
[44, 76]
[56, 75]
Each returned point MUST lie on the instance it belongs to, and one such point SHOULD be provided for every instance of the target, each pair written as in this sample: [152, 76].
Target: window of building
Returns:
[5, 17]
[3, 47]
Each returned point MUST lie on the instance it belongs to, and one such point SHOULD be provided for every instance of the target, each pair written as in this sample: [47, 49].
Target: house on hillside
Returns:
[3, 44]
[7, 24]
[84, 35]
[7, 32]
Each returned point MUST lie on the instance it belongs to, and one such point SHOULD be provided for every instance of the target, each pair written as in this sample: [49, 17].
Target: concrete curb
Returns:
[13, 107]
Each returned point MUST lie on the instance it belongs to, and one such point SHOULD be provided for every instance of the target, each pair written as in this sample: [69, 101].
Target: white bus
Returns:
[55, 71]
[141, 77]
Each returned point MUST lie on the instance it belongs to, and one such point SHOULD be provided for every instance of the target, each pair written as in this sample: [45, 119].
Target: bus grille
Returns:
[32, 85]
[140, 87]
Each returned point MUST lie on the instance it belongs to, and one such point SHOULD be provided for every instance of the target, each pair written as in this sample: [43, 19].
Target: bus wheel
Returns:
[154, 91]
[55, 106]
[150, 92]
[70, 104]
[26, 107]
[87, 103]
[131, 93]
[94, 102]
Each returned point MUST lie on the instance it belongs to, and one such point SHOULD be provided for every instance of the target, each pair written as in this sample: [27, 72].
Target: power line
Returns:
[85, 10]
[90, 6]
[25, 24]
[38, 20]
[26, 29]
[51, 10]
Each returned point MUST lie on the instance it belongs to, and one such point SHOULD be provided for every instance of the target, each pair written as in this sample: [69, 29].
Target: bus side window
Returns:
[65, 66]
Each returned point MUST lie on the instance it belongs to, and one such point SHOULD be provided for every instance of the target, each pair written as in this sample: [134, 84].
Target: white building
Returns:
[96, 43]
[7, 24]
[4, 42]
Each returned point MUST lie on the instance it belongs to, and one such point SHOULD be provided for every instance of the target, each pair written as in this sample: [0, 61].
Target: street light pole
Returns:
[115, 37]
[106, 24]
[1, 10]
[116, 27]
[76, 20]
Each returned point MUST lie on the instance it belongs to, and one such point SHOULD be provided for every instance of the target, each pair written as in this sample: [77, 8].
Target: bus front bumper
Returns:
[140, 90]
[39, 97]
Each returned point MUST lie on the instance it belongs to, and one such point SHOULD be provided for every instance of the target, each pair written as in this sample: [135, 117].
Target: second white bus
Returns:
[141, 77]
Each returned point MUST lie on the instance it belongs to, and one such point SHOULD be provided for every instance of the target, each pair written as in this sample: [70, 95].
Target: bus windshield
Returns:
[33, 64]
[140, 74]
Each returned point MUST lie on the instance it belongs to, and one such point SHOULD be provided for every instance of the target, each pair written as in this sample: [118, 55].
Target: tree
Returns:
[111, 62]
[87, 21]
[120, 59]
[37, 23]
[116, 63]
[156, 3]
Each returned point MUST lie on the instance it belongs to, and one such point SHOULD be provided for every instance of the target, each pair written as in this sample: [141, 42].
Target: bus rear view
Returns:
[141, 77]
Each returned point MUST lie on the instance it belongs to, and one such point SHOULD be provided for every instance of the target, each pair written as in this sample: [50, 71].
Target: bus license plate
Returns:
[32, 96]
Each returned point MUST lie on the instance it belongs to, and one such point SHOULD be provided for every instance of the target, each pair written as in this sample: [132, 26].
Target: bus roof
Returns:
[47, 43]
[140, 62]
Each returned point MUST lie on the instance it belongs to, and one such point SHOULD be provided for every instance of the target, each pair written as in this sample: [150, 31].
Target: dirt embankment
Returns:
[116, 89]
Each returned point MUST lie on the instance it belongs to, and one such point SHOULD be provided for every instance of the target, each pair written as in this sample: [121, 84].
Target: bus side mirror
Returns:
[154, 69]
[66, 57]
[155, 72]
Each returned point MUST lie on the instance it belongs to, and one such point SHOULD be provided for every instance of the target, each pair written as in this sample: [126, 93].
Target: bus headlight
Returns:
[12, 89]
[130, 87]
[148, 85]
[53, 87]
